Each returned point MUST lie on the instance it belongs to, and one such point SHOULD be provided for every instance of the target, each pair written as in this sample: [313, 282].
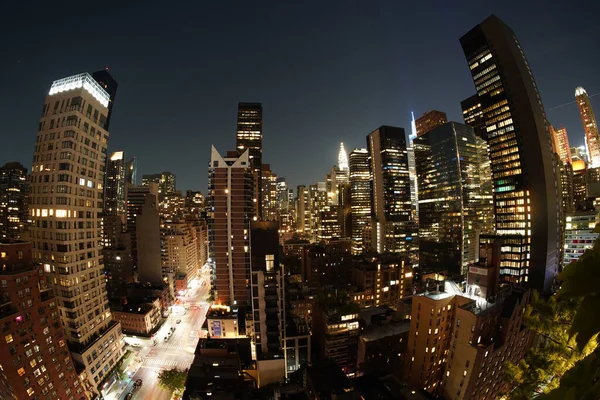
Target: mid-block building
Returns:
[67, 180]
[14, 193]
[35, 358]
[579, 234]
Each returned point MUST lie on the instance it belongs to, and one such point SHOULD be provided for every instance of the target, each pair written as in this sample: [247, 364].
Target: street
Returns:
[176, 352]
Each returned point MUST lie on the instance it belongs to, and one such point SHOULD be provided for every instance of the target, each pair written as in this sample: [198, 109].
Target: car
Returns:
[138, 383]
[136, 345]
[178, 321]
[129, 396]
[166, 338]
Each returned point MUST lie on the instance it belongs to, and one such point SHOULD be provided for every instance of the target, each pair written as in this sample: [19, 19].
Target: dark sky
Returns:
[325, 71]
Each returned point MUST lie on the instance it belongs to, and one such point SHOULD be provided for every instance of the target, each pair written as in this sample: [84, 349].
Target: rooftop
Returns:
[385, 330]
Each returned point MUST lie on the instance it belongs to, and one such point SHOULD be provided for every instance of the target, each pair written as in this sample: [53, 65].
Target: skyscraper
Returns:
[342, 158]
[230, 204]
[269, 193]
[429, 121]
[14, 192]
[109, 84]
[114, 184]
[131, 172]
[560, 142]
[360, 197]
[392, 225]
[526, 192]
[455, 196]
[473, 115]
[590, 127]
[249, 137]
[66, 209]
[412, 170]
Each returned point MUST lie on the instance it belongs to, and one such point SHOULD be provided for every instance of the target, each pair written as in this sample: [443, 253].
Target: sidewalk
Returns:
[130, 365]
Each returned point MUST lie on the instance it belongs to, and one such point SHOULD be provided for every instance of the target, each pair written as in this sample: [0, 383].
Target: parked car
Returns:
[178, 321]
[166, 338]
[138, 383]
[129, 396]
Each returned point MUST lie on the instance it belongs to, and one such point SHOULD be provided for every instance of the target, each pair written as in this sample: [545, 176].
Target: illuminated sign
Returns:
[478, 271]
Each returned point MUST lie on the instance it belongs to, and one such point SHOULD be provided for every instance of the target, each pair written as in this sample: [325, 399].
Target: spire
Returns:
[343, 158]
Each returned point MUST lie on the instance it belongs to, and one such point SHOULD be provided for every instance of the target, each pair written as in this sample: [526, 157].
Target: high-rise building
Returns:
[109, 84]
[166, 181]
[526, 183]
[114, 184]
[412, 170]
[249, 137]
[590, 127]
[182, 257]
[429, 121]
[35, 359]
[230, 213]
[131, 172]
[473, 115]
[342, 158]
[136, 198]
[360, 197]
[580, 198]
[148, 247]
[14, 192]
[560, 143]
[579, 235]
[268, 193]
[579, 153]
[455, 196]
[392, 225]
[66, 209]
[267, 290]
[302, 210]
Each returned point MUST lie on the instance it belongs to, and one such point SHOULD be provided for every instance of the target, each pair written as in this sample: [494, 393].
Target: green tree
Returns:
[172, 380]
[565, 362]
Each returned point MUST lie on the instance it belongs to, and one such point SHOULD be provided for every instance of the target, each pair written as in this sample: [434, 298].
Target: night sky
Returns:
[325, 71]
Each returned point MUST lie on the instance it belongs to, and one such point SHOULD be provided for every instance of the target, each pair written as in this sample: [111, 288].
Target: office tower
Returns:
[567, 188]
[590, 127]
[412, 171]
[560, 143]
[526, 192]
[360, 197]
[456, 340]
[35, 361]
[267, 290]
[109, 84]
[580, 202]
[66, 209]
[114, 185]
[342, 158]
[473, 115]
[393, 228]
[131, 172]
[136, 199]
[166, 181]
[118, 258]
[455, 198]
[269, 193]
[579, 234]
[230, 204]
[194, 203]
[429, 121]
[302, 209]
[249, 137]
[14, 192]
[285, 206]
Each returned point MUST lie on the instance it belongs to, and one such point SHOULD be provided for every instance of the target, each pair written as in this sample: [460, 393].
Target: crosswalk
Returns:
[177, 347]
[157, 362]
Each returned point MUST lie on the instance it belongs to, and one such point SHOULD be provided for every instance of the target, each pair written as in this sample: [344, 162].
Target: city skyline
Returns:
[311, 95]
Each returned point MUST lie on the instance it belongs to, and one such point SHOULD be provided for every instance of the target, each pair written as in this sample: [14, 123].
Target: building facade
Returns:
[590, 126]
[393, 228]
[249, 137]
[429, 121]
[560, 143]
[520, 152]
[360, 197]
[165, 181]
[35, 358]
[114, 184]
[66, 208]
[579, 235]
[455, 196]
[14, 193]
[231, 209]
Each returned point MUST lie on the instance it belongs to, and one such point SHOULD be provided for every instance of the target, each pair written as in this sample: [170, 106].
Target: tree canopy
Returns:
[565, 362]
[172, 379]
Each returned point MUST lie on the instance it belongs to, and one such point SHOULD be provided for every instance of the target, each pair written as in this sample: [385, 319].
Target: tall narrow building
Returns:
[455, 198]
[590, 127]
[14, 192]
[67, 180]
[360, 198]
[473, 115]
[526, 192]
[131, 172]
[166, 181]
[560, 142]
[412, 170]
[392, 225]
[114, 184]
[230, 213]
[109, 84]
[249, 137]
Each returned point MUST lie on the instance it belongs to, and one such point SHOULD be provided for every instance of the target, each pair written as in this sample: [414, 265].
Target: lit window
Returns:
[8, 338]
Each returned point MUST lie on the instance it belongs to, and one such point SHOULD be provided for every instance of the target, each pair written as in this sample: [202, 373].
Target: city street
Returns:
[176, 352]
